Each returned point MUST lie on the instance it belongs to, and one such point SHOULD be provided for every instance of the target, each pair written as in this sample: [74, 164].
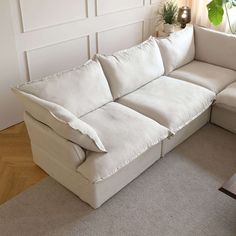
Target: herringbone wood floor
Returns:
[17, 170]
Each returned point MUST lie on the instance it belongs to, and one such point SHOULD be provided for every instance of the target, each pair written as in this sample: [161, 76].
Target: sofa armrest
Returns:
[45, 139]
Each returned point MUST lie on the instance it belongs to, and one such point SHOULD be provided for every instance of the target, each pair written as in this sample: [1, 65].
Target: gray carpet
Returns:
[177, 196]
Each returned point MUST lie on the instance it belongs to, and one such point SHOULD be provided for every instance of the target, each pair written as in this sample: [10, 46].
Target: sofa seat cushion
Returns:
[126, 135]
[227, 98]
[207, 75]
[131, 68]
[172, 103]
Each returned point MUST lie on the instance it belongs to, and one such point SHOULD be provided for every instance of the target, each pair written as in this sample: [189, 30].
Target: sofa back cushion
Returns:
[62, 121]
[129, 69]
[79, 90]
[178, 49]
[215, 47]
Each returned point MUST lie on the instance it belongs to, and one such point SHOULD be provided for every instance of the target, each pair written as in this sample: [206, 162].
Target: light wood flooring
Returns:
[17, 170]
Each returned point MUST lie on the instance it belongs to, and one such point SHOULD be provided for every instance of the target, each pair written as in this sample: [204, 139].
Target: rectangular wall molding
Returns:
[121, 37]
[104, 7]
[57, 57]
[38, 14]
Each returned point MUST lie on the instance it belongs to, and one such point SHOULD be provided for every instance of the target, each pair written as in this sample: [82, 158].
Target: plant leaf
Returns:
[169, 12]
[215, 12]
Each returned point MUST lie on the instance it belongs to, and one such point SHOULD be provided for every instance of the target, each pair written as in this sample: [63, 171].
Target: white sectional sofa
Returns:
[97, 127]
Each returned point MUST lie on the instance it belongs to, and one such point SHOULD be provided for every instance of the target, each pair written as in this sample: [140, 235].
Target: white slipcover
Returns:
[178, 49]
[212, 77]
[172, 103]
[129, 69]
[125, 133]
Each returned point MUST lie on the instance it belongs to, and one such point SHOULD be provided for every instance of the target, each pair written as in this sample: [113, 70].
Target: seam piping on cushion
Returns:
[189, 121]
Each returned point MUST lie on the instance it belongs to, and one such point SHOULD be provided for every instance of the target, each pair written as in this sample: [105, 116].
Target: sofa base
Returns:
[173, 141]
[224, 118]
[95, 194]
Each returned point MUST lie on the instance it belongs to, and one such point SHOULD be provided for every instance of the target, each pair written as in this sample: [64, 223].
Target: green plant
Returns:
[216, 10]
[169, 12]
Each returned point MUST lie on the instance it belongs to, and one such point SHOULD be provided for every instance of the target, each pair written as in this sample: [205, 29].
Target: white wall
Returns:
[10, 109]
[54, 35]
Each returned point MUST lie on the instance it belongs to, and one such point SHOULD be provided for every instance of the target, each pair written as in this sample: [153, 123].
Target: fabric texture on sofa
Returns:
[215, 47]
[172, 103]
[227, 98]
[126, 134]
[224, 109]
[79, 90]
[130, 69]
[62, 121]
[63, 151]
[224, 118]
[212, 77]
[178, 49]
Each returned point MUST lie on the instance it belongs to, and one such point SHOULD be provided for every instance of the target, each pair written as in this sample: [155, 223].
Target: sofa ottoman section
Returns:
[224, 109]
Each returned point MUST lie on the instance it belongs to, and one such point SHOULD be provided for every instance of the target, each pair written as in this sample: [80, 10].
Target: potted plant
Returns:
[168, 15]
[216, 10]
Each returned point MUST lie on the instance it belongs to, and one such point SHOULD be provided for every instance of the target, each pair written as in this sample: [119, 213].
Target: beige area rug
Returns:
[177, 196]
